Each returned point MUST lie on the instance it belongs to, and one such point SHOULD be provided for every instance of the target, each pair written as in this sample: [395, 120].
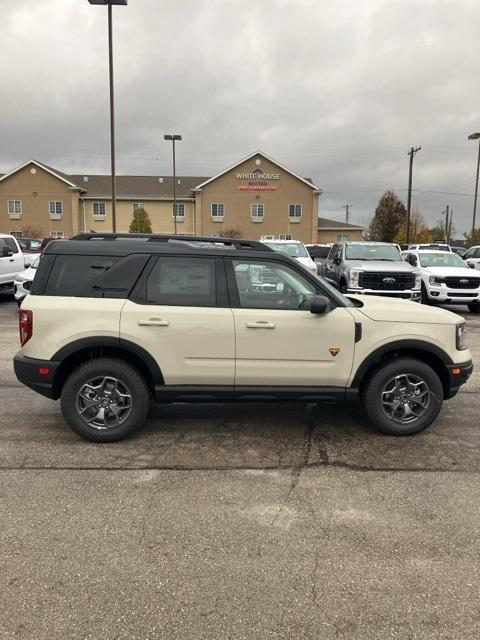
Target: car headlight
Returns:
[354, 278]
[418, 281]
[432, 280]
[461, 331]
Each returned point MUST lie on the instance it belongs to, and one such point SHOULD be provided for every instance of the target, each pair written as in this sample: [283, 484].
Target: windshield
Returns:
[441, 259]
[292, 249]
[372, 252]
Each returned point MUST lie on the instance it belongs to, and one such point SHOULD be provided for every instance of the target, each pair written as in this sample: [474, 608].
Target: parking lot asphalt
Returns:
[228, 521]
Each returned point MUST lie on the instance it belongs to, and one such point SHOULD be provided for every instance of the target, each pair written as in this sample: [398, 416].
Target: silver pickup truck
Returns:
[374, 268]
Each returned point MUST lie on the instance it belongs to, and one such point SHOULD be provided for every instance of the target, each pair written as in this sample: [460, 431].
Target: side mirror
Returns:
[28, 265]
[319, 305]
[471, 265]
[337, 260]
[6, 252]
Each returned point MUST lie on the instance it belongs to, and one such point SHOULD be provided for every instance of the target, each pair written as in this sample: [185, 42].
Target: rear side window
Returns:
[182, 282]
[71, 274]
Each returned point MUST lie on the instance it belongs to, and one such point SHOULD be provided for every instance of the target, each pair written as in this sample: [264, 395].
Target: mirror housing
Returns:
[471, 265]
[319, 305]
[28, 265]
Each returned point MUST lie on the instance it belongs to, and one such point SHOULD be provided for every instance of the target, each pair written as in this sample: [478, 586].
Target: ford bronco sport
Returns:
[114, 323]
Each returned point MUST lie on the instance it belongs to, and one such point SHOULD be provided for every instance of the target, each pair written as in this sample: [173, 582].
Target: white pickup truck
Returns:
[12, 260]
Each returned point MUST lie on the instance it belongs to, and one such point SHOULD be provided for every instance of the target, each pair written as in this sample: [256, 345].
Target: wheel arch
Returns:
[74, 354]
[434, 356]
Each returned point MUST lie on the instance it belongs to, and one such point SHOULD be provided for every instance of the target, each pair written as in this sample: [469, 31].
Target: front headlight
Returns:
[461, 331]
[418, 281]
[354, 279]
[432, 280]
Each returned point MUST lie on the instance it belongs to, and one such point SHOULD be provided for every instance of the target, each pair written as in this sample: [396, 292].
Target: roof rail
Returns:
[190, 240]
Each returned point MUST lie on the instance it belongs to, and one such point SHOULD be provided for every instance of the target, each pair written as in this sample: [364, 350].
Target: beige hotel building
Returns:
[257, 197]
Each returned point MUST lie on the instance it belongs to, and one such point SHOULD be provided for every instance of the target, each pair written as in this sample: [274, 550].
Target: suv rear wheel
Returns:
[105, 400]
[403, 397]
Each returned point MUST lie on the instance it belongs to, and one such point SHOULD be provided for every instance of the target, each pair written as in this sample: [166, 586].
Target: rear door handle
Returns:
[261, 324]
[154, 322]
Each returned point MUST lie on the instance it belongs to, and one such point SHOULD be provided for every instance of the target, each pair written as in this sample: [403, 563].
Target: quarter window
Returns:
[55, 208]
[14, 209]
[99, 209]
[257, 212]
[295, 211]
[182, 282]
[270, 285]
[71, 274]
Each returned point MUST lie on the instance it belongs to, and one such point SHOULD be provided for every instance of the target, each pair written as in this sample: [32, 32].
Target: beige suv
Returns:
[115, 323]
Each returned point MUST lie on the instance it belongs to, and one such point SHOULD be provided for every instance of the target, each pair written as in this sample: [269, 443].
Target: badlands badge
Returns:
[334, 351]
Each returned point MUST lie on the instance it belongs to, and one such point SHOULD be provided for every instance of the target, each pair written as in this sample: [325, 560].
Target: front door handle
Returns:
[154, 322]
[261, 324]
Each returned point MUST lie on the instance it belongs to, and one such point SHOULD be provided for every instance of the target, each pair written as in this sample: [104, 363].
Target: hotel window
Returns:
[139, 205]
[16, 234]
[218, 211]
[295, 212]
[285, 236]
[99, 210]
[14, 209]
[180, 211]
[57, 234]
[342, 237]
[257, 211]
[56, 209]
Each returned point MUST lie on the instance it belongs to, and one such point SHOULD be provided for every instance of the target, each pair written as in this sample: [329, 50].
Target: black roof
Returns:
[123, 244]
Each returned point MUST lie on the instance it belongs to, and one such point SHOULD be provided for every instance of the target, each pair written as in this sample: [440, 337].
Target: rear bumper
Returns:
[458, 375]
[28, 373]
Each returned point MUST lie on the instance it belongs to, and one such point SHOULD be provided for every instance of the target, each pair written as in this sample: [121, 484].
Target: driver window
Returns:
[268, 285]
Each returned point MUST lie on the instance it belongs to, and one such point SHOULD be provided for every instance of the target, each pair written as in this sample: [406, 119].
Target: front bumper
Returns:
[28, 373]
[408, 294]
[443, 294]
[458, 375]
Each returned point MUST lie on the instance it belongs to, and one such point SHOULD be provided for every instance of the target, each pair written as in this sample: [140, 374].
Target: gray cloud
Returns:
[335, 91]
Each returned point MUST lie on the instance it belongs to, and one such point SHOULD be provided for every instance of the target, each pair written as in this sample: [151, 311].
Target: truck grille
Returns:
[462, 283]
[401, 282]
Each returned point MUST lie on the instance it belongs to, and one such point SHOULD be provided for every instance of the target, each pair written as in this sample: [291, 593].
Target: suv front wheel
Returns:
[403, 397]
[105, 400]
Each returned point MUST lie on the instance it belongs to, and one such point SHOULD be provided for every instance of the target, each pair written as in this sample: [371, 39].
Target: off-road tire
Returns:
[128, 378]
[374, 392]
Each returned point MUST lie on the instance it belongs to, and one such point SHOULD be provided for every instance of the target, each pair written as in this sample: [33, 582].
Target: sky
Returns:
[335, 91]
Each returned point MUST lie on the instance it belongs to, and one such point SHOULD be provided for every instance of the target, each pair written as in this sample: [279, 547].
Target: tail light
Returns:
[25, 322]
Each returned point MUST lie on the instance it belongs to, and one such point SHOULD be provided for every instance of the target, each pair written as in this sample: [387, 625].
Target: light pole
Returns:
[475, 136]
[173, 137]
[411, 153]
[112, 115]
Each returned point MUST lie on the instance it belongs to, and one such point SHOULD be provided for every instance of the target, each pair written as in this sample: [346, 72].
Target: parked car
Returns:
[23, 280]
[374, 268]
[446, 278]
[430, 246]
[12, 260]
[472, 257]
[319, 253]
[49, 239]
[296, 250]
[461, 251]
[111, 327]
[30, 245]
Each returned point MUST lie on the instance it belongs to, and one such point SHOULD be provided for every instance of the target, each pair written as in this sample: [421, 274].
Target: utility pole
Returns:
[445, 235]
[411, 153]
[347, 211]
[450, 227]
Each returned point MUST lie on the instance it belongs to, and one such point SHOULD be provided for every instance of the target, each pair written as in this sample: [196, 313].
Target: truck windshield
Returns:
[441, 259]
[292, 249]
[372, 252]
